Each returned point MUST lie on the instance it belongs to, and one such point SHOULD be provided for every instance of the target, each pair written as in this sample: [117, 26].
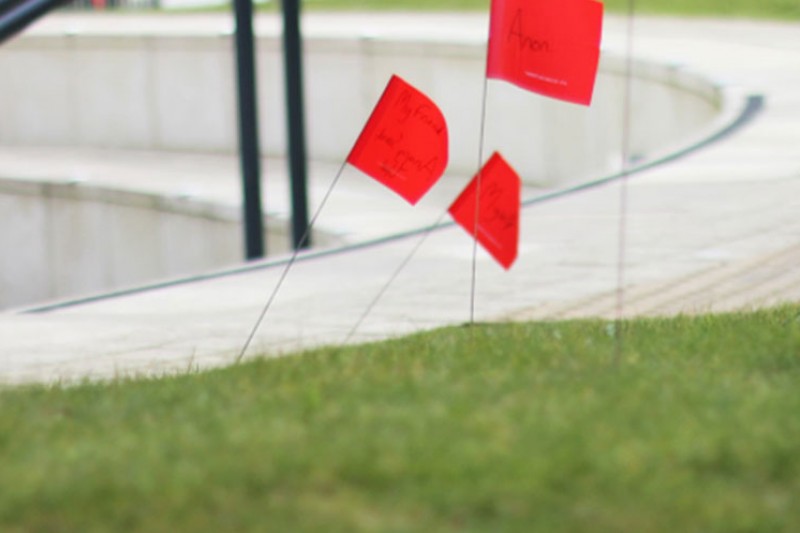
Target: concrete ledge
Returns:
[148, 87]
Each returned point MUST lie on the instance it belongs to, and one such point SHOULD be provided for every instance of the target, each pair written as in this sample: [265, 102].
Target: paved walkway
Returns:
[716, 230]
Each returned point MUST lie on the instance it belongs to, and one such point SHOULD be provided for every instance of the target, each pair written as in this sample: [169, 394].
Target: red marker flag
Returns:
[498, 209]
[550, 47]
[404, 143]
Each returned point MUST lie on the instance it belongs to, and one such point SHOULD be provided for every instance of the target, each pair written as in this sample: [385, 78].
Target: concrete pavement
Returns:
[715, 230]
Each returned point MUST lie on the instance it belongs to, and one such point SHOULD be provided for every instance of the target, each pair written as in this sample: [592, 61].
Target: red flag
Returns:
[404, 143]
[498, 209]
[550, 47]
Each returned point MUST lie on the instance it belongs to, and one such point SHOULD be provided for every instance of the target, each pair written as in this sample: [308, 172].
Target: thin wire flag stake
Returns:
[393, 277]
[289, 265]
[476, 220]
[623, 195]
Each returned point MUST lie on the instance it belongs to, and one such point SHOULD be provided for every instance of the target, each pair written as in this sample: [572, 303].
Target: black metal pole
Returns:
[8, 5]
[293, 68]
[248, 131]
[17, 15]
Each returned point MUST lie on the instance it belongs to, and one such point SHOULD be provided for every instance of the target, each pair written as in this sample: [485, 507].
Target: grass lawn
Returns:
[509, 427]
[780, 9]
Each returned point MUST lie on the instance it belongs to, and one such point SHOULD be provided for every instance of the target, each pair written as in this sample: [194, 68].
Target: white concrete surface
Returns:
[133, 82]
[712, 231]
[115, 83]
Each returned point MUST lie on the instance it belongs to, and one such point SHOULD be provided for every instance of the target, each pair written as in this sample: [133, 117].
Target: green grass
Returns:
[513, 427]
[777, 9]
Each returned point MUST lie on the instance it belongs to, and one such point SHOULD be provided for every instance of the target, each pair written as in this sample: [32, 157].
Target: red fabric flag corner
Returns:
[550, 47]
[498, 209]
[404, 143]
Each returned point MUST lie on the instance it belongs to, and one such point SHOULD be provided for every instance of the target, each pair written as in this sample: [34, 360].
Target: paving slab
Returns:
[716, 230]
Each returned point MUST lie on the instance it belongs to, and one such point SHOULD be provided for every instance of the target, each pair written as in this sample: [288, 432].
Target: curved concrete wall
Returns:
[177, 92]
[60, 239]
